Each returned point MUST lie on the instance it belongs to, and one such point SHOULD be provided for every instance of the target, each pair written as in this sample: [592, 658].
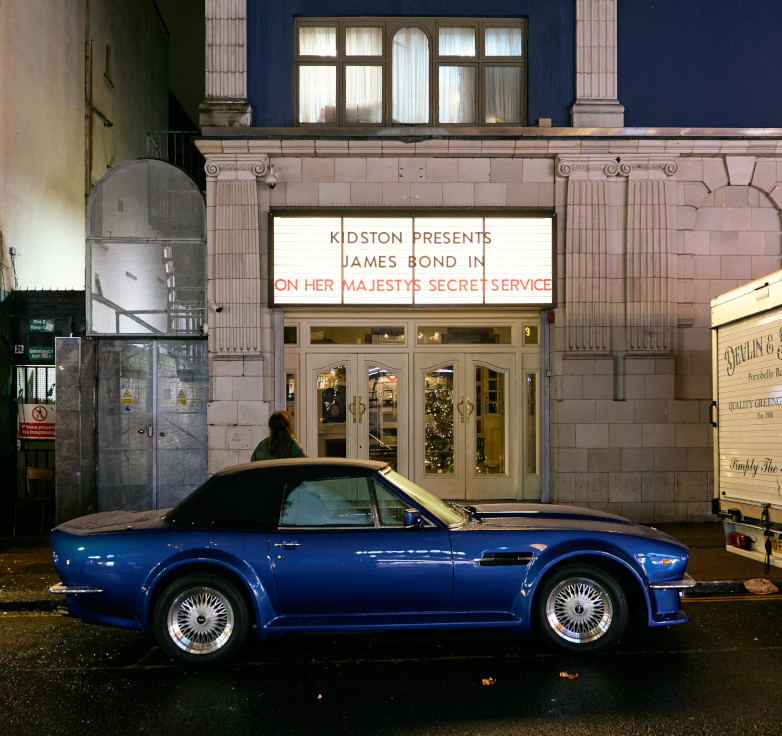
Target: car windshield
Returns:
[446, 511]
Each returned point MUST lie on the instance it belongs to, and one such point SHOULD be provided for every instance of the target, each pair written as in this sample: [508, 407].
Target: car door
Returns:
[342, 548]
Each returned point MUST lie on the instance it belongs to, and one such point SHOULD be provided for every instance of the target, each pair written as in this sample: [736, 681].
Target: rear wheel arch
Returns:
[204, 568]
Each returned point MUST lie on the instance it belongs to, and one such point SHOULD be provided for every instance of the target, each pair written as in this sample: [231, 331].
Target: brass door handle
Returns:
[470, 409]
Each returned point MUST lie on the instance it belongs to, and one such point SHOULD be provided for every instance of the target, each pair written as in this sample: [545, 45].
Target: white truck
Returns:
[747, 417]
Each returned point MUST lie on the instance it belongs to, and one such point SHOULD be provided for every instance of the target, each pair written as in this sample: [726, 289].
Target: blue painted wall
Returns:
[682, 63]
[703, 63]
[270, 47]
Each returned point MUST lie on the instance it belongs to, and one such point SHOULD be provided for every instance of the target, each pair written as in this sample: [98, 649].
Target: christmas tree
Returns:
[438, 431]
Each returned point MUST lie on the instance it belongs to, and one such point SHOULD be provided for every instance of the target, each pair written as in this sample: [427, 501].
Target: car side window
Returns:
[343, 501]
[390, 510]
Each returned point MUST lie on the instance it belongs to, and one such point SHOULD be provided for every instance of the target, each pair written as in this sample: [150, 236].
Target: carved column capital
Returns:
[236, 167]
[630, 164]
[585, 167]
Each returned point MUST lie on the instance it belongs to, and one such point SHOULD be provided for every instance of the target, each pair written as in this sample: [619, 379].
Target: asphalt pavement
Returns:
[27, 572]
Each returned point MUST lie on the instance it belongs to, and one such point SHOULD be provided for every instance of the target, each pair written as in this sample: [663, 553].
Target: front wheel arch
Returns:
[584, 604]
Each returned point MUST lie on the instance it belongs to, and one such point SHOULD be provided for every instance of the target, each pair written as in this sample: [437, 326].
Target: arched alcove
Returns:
[146, 252]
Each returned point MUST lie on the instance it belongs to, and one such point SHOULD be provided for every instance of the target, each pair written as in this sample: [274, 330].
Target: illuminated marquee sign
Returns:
[410, 260]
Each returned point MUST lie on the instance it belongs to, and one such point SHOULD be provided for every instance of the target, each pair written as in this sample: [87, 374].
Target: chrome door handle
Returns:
[287, 545]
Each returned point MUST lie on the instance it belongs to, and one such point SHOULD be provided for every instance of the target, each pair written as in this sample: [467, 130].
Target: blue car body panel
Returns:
[483, 572]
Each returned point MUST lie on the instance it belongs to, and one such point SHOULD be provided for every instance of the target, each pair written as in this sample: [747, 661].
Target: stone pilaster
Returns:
[233, 249]
[226, 65]
[596, 103]
[649, 318]
[587, 292]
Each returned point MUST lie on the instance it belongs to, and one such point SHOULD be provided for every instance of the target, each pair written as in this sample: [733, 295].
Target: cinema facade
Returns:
[500, 311]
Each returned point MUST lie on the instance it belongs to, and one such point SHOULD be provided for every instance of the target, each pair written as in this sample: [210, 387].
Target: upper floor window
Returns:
[427, 71]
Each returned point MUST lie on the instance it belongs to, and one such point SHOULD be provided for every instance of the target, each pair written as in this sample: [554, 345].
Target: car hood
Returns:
[115, 521]
[554, 516]
[501, 513]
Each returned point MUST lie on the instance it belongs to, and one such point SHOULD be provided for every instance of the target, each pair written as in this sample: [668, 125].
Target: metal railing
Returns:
[178, 148]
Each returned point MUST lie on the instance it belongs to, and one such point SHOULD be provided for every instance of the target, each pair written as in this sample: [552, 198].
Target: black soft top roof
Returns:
[297, 462]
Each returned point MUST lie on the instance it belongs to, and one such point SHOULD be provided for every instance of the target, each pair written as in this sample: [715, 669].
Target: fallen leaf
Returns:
[488, 681]
[568, 676]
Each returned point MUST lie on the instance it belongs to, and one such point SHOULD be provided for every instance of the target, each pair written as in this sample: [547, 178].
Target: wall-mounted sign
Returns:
[39, 353]
[41, 325]
[37, 421]
[412, 259]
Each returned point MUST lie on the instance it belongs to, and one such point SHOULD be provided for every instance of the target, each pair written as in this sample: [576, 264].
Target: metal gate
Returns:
[152, 448]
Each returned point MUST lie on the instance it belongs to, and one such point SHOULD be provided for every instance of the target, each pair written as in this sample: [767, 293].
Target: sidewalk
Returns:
[26, 569]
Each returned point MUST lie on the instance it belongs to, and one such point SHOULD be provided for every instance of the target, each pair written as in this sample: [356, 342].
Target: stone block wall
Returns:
[648, 232]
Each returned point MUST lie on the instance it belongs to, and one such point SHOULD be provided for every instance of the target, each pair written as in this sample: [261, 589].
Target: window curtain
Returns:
[503, 42]
[457, 94]
[503, 94]
[317, 94]
[363, 84]
[410, 71]
[457, 42]
[363, 41]
[456, 83]
[318, 41]
[363, 94]
[317, 84]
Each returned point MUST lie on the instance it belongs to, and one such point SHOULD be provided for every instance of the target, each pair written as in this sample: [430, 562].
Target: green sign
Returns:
[41, 353]
[41, 325]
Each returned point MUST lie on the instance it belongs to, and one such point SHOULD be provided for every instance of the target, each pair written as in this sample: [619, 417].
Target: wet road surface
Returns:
[716, 675]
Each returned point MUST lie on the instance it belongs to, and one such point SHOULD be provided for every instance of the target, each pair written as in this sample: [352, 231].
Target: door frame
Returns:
[302, 341]
[357, 399]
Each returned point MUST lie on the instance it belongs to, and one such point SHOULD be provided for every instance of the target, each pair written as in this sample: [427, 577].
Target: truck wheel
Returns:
[580, 607]
[200, 619]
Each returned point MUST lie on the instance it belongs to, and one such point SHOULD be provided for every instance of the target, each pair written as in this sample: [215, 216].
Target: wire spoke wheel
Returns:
[200, 620]
[579, 610]
[582, 607]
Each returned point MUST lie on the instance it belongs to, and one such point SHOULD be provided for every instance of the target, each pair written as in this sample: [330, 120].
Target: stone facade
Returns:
[648, 232]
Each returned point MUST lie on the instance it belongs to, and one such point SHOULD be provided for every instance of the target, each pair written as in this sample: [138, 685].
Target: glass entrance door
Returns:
[358, 403]
[463, 423]
[151, 422]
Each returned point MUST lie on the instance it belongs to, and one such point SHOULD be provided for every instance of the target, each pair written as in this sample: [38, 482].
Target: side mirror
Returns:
[413, 519]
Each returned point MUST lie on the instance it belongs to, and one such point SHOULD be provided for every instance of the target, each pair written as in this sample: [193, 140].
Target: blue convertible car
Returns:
[346, 545]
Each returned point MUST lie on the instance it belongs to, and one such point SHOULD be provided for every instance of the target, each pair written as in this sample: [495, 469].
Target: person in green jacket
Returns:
[281, 442]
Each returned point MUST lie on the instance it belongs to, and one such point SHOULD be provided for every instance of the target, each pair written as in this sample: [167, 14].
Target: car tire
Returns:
[200, 619]
[581, 607]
